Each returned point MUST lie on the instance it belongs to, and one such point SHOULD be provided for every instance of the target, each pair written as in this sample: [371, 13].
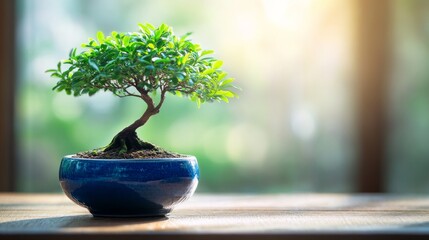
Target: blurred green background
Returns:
[292, 128]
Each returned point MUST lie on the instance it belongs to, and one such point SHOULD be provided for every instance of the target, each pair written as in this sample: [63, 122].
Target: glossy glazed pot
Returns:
[129, 187]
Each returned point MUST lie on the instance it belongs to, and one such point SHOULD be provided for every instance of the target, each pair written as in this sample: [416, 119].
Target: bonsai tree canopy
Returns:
[146, 64]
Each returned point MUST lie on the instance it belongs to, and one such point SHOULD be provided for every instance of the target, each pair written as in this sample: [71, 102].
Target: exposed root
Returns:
[127, 141]
[127, 145]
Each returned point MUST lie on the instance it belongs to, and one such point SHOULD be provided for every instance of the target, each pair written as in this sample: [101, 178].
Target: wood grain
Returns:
[298, 216]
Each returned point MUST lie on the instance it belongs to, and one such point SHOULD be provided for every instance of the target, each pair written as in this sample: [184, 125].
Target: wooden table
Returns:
[292, 216]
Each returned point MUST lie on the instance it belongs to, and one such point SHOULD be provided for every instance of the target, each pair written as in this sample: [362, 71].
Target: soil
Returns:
[156, 152]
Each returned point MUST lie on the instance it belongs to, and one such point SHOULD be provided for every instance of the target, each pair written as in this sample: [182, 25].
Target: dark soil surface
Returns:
[156, 152]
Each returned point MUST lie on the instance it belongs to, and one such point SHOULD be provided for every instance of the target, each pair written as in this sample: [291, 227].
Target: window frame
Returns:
[7, 93]
[372, 65]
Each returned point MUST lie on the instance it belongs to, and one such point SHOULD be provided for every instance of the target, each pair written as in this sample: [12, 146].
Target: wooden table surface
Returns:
[295, 216]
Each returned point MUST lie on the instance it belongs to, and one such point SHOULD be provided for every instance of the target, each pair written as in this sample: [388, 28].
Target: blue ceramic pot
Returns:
[129, 187]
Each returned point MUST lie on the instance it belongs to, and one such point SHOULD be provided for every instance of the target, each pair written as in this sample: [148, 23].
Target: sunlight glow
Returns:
[303, 124]
[286, 14]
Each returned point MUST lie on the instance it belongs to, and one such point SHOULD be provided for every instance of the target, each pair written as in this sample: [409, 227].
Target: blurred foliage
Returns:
[409, 99]
[292, 129]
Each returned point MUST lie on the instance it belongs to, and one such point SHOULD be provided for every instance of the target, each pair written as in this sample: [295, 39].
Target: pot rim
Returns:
[139, 160]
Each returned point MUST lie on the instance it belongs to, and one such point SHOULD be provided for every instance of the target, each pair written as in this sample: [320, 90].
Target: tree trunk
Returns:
[127, 140]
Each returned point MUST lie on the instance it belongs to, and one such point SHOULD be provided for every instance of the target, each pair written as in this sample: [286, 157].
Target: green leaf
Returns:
[225, 99]
[166, 60]
[92, 91]
[150, 67]
[217, 64]
[186, 35]
[150, 26]
[144, 29]
[151, 46]
[198, 102]
[56, 74]
[206, 52]
[93, 65]
[178, 93]
[158, 34]
[226, 82]
[126, 41]
[92, 43]
[72, 53]
[225, 93]
[58, 88]
[221, 76]
[180, 76]
[143, 61]
[185, 58]
[208, 71]
[100, 37]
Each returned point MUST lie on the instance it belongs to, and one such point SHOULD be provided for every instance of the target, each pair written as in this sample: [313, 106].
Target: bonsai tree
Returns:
[146, 64]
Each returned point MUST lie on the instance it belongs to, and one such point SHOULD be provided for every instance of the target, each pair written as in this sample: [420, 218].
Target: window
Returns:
[295, 126]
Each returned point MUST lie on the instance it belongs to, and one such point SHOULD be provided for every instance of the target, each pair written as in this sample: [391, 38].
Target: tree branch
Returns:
[131, 94]
[148, 100]
[185, 90]
[161, 101]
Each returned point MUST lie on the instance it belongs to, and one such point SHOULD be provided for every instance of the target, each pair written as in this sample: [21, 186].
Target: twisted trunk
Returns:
[127, 139]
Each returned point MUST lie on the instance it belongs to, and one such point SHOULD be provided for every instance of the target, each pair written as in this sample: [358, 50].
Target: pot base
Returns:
[136, 215]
